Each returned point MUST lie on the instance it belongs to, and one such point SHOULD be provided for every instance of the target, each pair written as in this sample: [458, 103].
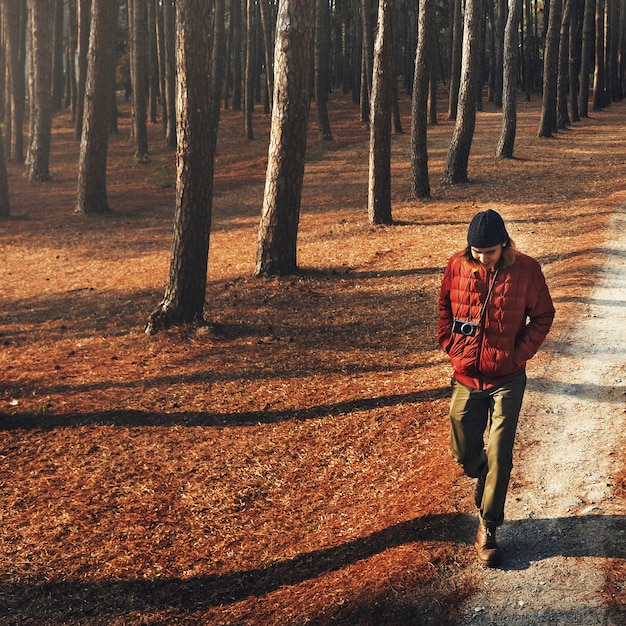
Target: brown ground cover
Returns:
[289, 466]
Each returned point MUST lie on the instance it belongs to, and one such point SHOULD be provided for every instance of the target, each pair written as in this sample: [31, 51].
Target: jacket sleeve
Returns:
[539, 313]
[444, 327]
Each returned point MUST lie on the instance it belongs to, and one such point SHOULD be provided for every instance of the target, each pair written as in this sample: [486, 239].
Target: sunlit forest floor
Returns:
[291, 465]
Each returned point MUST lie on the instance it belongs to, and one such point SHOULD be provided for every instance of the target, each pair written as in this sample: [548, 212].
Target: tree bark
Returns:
[322, 69]
[250, 68]
[38, 154]
[92, 192]
[367, 46]
[599, 81]
[278, 231]
[460, 145]
[84, 17]
[420, 183]
[547, 124]
[185, 294]
[504, 149]
[139, 77]
[5, 208]
[267, 24]
[586, 57]
[456, 58]
[13, 17]
[562, 88]
[379, 186]
[169, 45]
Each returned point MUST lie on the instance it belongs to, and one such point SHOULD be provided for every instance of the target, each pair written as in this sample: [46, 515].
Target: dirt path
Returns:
[563, 522]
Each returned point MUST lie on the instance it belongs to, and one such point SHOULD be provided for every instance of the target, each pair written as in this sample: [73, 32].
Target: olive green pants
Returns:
[491, 415]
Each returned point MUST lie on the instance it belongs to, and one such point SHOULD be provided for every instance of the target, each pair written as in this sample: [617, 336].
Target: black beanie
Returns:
[486, 230]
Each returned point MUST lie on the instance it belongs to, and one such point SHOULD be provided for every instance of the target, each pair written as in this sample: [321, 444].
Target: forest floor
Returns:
[291, 465]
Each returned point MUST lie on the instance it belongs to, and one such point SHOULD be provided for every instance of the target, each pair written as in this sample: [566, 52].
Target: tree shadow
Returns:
[121, 417]
[523, 542]
[203, 592]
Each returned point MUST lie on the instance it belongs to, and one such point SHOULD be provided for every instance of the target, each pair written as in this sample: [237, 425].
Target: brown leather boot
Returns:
[486, 546]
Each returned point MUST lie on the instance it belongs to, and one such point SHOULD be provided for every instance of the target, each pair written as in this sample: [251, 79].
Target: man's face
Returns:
[488, 257]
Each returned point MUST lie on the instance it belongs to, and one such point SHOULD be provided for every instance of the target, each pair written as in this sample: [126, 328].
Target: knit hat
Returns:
[486, 230]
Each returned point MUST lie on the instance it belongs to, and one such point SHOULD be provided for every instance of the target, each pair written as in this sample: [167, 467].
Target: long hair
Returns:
[509, 252]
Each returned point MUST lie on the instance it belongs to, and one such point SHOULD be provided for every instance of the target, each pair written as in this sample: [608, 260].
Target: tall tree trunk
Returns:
[379, 186]
[509, 85]
[586, 56]
[562, 114]
[250, 67]
[456, 58]
[461, 143]
[92, 163]
[70, 59]
[5, 209]
[218, 68]
[57, 14]
[366, 59]
[236, 18]
[500, 21]
[84, 17]
[139, 77]
[267, 24]
[153, 64]
[185, 294]
[38, 155]
[547, 124]
[599, 82]
[420, 183]
[14, 19]
[278, 231]
[322, 69]
[575, 41]
[169, 33]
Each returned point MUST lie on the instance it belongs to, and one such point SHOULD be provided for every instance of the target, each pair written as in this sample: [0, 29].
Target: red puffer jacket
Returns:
[517, 319]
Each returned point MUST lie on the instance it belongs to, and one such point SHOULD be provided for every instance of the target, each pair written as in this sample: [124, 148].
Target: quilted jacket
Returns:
[517, 318]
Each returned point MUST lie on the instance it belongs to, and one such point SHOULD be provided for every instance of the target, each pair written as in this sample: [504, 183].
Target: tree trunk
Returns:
[184, 298]
[420, 183]
[504, 149]
[267, 24]
[235, 17]
[500, 22]
[57, 55]
[278, 231]
[379, 187]
[599, 82]
[461, 143]
[547, 123]
[169, 34]
[14, 19]
[38, 155]
[139, 77]
[586, 56]
[455, 59]
[367, 47]
[92, 192]
[250, 67]
[217, 68]
[153, 65]
[83, 47]
[562, 114]
[575, 41]
[5, 209]
[70, 59]
[322, 69]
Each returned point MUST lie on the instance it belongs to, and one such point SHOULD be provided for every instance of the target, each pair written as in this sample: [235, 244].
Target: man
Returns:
[495, 311]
